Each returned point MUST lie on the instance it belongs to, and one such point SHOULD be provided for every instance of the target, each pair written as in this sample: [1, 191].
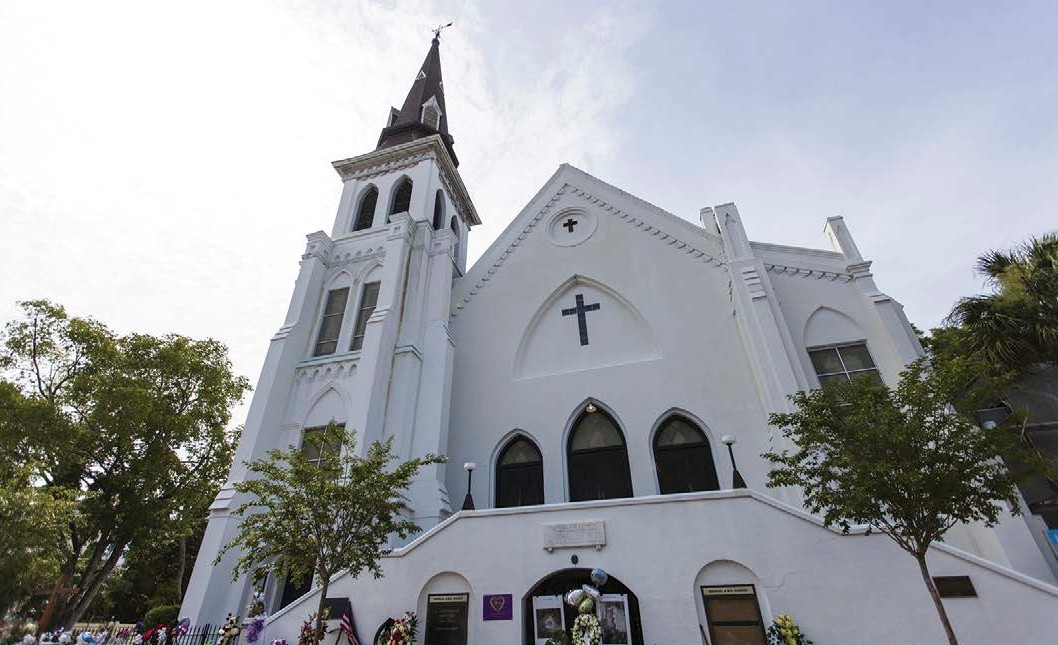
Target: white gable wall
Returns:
[519, 365]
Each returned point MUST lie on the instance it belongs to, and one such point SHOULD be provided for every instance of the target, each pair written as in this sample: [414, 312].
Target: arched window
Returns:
[598, 458]
[454, 225]
[439, 210]
[519, 475]
[401, 197]
[365, 215]
[683, 458]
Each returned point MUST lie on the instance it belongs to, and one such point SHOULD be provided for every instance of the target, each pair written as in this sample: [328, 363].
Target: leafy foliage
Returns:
[132, 427]
[161, 615]
[903, 462]
[1015, 326]
[306, 516]
[28, 516]
[899, 461]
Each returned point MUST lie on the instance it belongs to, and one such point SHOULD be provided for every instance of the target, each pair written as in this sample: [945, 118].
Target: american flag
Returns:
[348, 626]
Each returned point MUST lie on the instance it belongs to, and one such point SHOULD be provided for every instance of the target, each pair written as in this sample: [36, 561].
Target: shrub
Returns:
[162, 615]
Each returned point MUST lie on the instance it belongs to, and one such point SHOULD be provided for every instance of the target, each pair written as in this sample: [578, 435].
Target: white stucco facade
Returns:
[692, 320]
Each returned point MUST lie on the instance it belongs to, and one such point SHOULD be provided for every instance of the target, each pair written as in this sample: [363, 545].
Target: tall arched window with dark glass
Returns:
[365, 214]
[598, 458]
[519, 475]
[401, 197]
[683, 457]
[439, 210]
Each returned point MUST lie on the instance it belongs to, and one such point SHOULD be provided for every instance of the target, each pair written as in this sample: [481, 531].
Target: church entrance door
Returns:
[549, 591]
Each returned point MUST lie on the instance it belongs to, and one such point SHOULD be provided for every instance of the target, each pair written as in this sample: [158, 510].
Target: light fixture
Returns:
[736, 477]
[468, 501]
[590, 408]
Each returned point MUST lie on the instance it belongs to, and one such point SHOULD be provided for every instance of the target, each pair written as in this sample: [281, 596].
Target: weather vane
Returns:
[437, 32]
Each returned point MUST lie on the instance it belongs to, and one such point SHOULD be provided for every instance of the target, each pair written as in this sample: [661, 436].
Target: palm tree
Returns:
[1016, 326]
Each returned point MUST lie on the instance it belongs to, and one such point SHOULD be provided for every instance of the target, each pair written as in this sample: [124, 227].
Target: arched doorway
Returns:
[558, 583]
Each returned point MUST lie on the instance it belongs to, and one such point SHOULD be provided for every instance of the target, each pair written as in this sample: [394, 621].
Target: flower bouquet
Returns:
[784, 631]
[404, 629]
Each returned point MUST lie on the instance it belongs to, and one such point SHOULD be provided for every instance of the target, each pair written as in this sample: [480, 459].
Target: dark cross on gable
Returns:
[582, 321]
[569, 224]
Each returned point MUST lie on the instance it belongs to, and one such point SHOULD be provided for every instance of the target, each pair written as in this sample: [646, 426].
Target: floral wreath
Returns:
[586, 625]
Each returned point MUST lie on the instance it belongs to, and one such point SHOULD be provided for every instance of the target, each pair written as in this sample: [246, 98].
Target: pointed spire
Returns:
[423, 113]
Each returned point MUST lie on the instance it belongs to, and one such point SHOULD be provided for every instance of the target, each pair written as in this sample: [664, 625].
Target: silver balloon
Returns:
[574, 597]
[591, 591]
[599, 577]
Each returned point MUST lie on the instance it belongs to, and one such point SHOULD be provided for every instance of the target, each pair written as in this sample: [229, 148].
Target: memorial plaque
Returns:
[570, 535]
[446, 619]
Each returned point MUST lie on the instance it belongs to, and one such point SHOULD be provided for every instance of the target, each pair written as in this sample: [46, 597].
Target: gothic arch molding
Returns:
[365, 271]
[308, 419]
[826, 325]
[627, 335]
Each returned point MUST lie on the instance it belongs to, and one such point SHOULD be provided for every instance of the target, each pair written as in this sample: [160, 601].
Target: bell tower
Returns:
[365, 340]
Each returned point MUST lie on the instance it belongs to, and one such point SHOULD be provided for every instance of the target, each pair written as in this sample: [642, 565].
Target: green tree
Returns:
[1016, 325]
[30, 517]
[904, 462]
[322, 515]
[133, 427]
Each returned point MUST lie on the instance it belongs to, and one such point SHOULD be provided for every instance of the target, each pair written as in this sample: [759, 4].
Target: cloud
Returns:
[160, 164]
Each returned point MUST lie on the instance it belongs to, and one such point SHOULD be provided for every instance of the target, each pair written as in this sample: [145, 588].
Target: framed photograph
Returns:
[549, 616]
[612, 610]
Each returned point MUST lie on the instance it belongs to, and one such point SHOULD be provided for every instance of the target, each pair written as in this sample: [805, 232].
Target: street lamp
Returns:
[736, 477]
[468, 501]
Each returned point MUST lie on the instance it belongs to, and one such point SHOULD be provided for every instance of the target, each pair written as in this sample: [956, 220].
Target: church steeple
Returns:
[423, 113]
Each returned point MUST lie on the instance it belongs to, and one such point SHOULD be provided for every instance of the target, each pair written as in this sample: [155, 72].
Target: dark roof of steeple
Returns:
[406, 124]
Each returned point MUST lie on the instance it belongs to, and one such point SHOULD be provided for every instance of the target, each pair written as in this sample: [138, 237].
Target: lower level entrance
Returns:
[618, 609]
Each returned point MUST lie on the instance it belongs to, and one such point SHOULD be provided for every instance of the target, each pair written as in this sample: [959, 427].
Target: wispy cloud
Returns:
[160, 164]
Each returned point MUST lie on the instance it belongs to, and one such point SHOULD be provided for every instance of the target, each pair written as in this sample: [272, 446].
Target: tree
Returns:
[29, 515]
[904, 462]
[133, 427]
[1015, 326]
[323, 512]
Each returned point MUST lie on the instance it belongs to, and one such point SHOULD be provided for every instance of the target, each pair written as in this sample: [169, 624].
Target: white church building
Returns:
[592, 364]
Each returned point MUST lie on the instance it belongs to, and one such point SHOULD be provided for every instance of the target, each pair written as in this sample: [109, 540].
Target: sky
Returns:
[161, 163]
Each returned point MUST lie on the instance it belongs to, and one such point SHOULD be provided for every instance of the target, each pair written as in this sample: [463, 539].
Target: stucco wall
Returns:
[841, 589]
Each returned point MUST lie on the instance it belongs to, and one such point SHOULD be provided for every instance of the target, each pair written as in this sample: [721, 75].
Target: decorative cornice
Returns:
[802, 272]
[647, 228]
[630, 219]
[332, 367]
[387, 160]
[342, 259]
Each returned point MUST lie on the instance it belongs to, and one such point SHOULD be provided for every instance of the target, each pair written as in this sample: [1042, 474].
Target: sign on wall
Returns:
[498, 607]
[446, 619]
[574, 534]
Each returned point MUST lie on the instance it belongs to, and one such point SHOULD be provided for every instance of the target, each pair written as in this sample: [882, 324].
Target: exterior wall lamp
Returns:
[468, 501]
[736, 477]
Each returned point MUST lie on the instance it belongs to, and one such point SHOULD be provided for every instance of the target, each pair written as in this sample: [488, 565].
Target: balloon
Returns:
[599, 577]
[586, 606]
[592, 592]
[574, 597]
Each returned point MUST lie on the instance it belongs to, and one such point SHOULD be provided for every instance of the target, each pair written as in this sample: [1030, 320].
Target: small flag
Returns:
[348, 626]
